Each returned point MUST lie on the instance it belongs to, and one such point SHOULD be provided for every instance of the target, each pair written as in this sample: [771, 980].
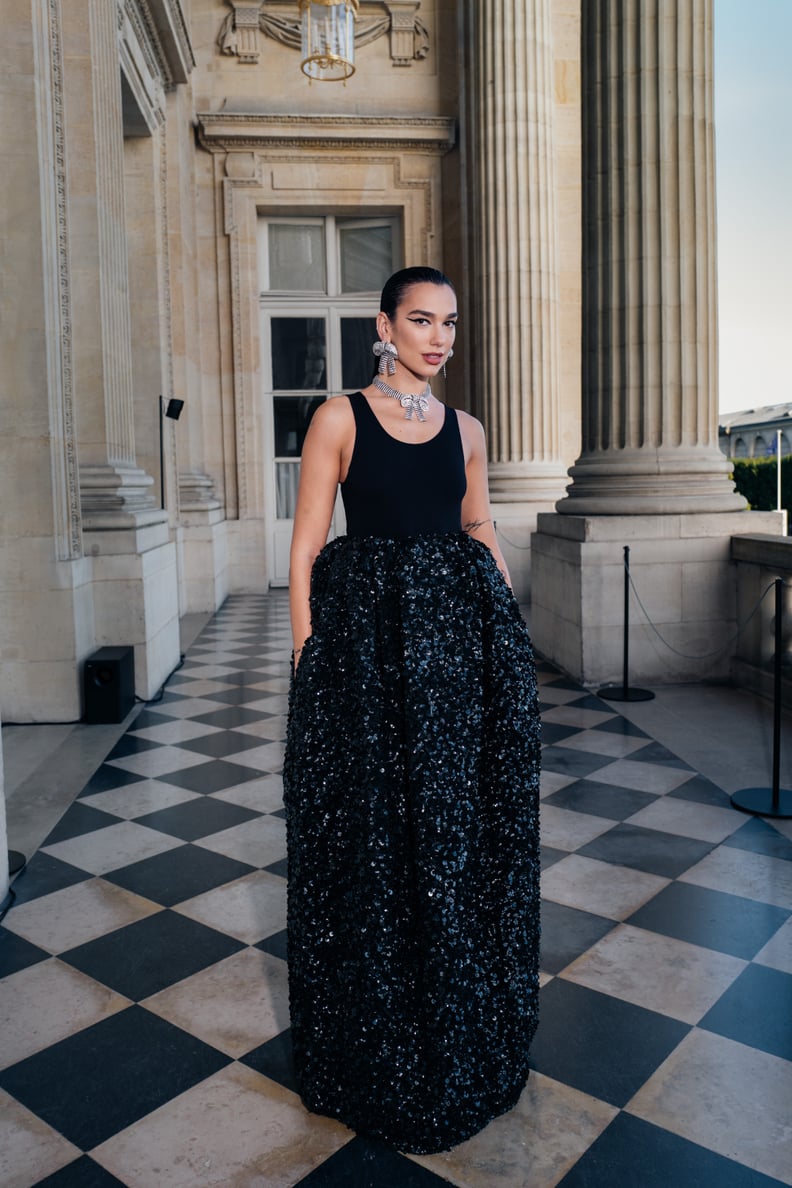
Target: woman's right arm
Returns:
[320, 473]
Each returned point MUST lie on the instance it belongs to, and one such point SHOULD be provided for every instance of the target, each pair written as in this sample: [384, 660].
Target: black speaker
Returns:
[109, 685]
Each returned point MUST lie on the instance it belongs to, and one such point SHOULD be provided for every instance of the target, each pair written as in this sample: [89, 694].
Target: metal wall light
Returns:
[328, 39]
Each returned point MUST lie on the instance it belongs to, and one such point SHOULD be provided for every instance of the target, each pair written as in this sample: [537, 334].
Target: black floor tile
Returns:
[250, 655]
[197, 818]
[620, 725]
[549, 856]
[104, 1078]
[83, 1173]
[222, 744]
[275, 944]
[274, 1059]
[655, 752]
[130, 744]
[105, 778]
[650, 850]
[78, 819]
[233, 716]
[280, 867]
[712, 919]
[45, 873]
[178, 875]
[574, 763]
[631, 1153]
[150, 954]
[701, 791]
[566, 933]
[249, 676]
[212, 777]
[238, 696]
[16, 953]
[363, 1163]
[762, 838]
[590, 701]
[601, 800]
[755, 1010]
[147, 718]
[599, 1044]
[555, 732]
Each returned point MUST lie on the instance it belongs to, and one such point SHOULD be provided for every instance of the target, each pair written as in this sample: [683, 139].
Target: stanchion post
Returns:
[623, 692]
[775, 801]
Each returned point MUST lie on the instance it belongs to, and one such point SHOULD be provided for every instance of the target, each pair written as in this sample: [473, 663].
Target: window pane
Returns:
[357, 360]
[297, 258]
[298, 353]
[292, 418]
[366, 258]
[287, 478]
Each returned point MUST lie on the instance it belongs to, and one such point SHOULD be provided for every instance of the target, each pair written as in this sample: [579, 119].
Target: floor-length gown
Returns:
[411, 785]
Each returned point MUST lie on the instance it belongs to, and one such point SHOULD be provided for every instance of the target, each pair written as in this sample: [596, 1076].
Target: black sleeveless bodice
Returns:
[397, 489]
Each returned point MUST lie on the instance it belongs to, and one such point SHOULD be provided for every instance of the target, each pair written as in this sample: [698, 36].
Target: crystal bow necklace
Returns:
[411, 402]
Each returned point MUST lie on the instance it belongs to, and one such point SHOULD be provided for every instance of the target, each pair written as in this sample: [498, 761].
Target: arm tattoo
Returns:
[472, 525]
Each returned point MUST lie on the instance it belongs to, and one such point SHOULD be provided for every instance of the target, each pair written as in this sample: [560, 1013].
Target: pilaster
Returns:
[111, 483]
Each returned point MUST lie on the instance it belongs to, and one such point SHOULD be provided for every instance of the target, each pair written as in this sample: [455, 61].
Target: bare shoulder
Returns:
[471, 429]
[333, 420]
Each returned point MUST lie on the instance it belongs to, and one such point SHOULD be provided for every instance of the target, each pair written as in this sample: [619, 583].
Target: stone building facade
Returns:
[753, 432]
[187, 217]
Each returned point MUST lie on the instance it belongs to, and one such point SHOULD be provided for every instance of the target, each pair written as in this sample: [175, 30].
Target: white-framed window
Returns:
[320, 279]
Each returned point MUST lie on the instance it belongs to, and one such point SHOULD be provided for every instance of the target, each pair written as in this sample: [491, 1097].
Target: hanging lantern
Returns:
[328, 39]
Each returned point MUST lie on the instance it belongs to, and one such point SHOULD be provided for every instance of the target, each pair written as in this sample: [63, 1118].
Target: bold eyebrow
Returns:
[426, 313]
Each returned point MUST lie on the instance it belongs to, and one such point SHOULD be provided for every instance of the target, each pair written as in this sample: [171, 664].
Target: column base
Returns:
[682, 572]
[526, 482]
[116, 496]
[647, 481]
[197, 494]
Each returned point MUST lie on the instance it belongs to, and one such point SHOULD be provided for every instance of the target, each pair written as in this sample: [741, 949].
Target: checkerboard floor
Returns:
[143, 990]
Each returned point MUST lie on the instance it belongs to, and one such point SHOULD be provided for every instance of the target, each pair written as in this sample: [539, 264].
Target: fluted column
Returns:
[515, 347]
[649, 369]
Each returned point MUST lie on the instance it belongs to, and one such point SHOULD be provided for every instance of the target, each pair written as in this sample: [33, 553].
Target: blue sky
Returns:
[753, 130]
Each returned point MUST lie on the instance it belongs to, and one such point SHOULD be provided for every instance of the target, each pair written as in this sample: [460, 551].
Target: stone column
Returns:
[649, 366]
[515, 338]
[650, 474]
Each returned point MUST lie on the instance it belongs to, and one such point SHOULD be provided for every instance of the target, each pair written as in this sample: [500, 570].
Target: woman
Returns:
[412, 760]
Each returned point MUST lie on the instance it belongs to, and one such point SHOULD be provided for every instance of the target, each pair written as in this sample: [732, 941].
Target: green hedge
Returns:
[755, 478]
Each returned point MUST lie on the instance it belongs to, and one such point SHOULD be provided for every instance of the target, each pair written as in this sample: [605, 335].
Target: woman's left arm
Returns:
[476, 512]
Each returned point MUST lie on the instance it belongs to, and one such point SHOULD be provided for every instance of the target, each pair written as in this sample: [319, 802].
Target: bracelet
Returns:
[296, 651]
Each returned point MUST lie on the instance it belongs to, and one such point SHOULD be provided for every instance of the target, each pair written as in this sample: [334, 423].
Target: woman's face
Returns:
[423, 329]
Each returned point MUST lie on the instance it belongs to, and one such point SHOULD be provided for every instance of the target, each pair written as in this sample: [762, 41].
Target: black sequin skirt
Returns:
[412, 789]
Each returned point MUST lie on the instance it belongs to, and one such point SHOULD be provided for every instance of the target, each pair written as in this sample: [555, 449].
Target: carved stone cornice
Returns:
[228, 131]
[163, 37]
[398, 19]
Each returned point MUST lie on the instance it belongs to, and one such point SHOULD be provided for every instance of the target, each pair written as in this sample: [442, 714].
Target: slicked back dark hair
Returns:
[398, 284]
